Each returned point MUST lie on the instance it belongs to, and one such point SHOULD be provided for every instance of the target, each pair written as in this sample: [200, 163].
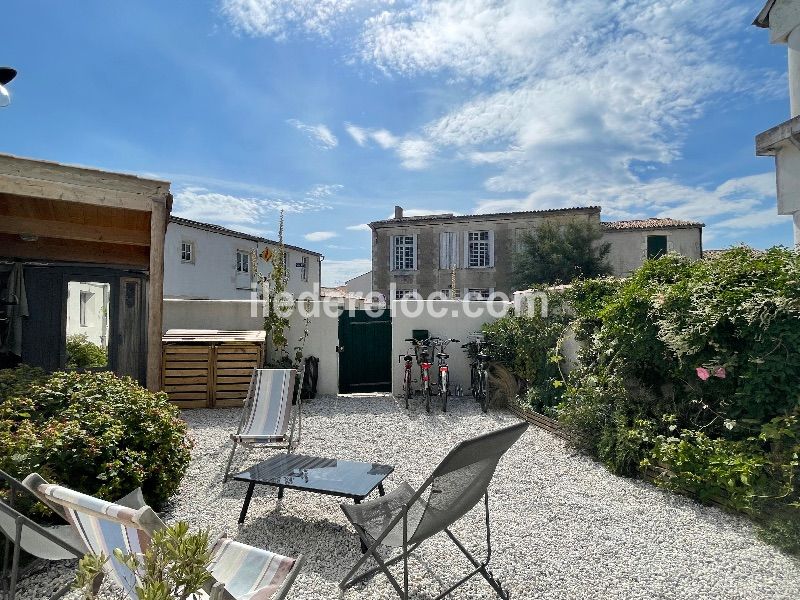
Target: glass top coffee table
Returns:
[346, 478]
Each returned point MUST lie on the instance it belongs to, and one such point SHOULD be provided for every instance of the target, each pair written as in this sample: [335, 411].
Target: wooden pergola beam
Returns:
[73, 231]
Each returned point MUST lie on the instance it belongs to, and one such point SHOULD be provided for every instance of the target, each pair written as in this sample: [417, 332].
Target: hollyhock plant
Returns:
[703, 373]
[720, 372]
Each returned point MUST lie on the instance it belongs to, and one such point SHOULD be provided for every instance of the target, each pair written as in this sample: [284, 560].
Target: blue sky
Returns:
[337, 110]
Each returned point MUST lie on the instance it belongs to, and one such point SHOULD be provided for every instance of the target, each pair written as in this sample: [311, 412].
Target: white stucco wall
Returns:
[361, 285]
[239, 315]
[211, 275]
[95, 327]
[629, 246]
[458, 321]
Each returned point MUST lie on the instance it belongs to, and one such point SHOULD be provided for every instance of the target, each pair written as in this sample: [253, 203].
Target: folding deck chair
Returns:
[56, 542]
[238, 571]
[267, 414]
[405, 518]
[47, 543]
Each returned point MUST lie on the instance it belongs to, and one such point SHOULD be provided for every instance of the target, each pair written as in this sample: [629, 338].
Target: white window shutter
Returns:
[454, 246]
[466, 249]
[391, 252]
[415, 251]
[491, 247]
[444, 250]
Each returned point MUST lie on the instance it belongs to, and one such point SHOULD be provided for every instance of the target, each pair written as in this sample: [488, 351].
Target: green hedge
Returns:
[689, 365]
[94, 432]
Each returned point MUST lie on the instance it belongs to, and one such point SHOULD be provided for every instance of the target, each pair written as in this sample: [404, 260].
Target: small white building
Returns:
[633, 242]
[209, 262]
[360, 286]
[88, 308]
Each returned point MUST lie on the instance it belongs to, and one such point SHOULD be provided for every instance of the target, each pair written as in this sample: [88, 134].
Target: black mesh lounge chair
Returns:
[405, 518]
[49, 543]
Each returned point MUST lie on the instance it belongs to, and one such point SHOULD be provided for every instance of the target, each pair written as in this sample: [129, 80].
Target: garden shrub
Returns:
[94, 432]
[82, 354]
[528, 346]
[695, 366]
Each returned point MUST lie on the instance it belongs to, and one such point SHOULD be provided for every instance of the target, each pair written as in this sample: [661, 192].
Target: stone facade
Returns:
[441, 248]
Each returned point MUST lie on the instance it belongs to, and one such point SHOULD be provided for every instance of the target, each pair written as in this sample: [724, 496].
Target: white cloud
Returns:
[319, 134]
[755, 220]
[200, 204]
[320, 236]
[572, 101]
[359, 134]
[275, 18]
[336, 272]
[359, 227]
[320, 191]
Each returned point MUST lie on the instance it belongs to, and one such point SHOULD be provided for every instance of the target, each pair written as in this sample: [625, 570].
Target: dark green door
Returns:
[365, 352]
[656, 246]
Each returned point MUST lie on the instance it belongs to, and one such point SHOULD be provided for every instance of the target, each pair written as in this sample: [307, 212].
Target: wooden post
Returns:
[159, 216]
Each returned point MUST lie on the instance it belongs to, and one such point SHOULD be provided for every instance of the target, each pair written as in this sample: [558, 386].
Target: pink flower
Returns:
[720, 372]
[703, 373]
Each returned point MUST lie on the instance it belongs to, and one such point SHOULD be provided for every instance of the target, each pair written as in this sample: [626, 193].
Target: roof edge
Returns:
[473, 217]
[211, 227]
[762, 20]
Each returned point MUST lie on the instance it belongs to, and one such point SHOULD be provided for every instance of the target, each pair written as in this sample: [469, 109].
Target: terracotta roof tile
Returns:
[653, 223]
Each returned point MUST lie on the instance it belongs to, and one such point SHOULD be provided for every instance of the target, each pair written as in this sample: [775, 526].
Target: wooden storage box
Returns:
[210, 368]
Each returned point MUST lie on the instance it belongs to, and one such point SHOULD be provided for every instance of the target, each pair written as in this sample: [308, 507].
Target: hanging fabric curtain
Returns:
[16, 304]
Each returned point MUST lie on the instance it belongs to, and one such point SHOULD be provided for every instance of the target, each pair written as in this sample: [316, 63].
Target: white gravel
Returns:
[563, 526]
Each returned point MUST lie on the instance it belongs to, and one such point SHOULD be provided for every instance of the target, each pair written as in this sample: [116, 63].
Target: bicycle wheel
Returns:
[484, 391]
[444, 390]
[473, 382]
[407, 387]
[427, 391]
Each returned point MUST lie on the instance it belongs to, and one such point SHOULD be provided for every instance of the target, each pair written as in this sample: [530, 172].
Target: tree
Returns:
[556, 253]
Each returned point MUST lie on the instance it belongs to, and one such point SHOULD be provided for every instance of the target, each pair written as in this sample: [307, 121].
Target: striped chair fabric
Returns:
[249, 573]
[103, 526]
[269, 401]
[245, 572]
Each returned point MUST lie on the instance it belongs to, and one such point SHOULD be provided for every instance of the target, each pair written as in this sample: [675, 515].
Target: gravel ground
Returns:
[563, 526]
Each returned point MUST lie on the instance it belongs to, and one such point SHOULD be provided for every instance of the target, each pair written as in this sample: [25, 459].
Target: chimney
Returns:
[398, 212]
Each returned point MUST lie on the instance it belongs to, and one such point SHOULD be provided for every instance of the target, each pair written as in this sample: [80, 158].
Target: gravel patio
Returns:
[563, 526]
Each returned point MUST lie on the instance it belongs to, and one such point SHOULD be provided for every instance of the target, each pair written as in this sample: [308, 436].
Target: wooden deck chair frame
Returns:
[290, 443]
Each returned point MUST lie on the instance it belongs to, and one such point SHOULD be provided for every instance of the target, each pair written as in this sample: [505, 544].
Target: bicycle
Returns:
[422, 355]
[479, 374]
[443, 369]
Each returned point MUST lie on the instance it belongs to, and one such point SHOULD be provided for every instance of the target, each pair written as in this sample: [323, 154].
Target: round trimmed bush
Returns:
[94, 432]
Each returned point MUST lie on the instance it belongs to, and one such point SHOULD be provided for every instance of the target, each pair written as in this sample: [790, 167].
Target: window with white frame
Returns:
[85, 297]
[242, 261]
[451, 294]
[404, 253]
[448, 250]
[479, 249]
[187, 252]
[479, 293]
[405, 294]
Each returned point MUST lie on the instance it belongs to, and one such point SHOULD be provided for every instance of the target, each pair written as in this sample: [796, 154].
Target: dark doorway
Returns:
[365, 351]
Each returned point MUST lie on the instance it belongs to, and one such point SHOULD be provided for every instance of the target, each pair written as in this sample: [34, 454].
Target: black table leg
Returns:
[363, 545]
[246, 505]
[380, 488]
[280, 492]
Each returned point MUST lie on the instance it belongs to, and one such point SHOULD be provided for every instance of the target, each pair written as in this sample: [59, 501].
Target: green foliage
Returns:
[694, 366]
[95, 432]
[174, 566]
[528, 346]
[82, 354]
[556, 253]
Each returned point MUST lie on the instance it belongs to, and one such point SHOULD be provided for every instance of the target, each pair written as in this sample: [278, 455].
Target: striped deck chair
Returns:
[268, 420]
[238, 571]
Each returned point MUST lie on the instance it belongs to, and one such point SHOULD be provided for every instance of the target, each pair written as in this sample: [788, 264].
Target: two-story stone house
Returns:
[421, 255]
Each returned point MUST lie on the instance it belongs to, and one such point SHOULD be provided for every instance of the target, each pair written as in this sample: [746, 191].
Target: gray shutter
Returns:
[491, 247]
